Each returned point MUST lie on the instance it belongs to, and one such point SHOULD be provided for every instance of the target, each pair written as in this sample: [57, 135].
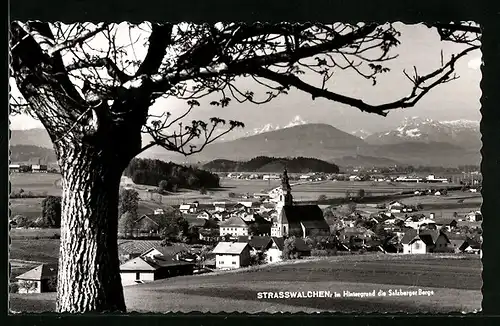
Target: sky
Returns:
[420, 47]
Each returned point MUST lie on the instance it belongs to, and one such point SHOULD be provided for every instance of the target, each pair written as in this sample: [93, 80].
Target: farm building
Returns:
[234, 226]
[470, 246]
[237, 226]
[38, 280]
[204, 214]
[474, 216]
[39, 168]
[275, 250]
[298, 220]
[425, 241]
[188, 208]
[146, 269]
[231, 255]
[129, 249]
[148, 225]
[219, 206]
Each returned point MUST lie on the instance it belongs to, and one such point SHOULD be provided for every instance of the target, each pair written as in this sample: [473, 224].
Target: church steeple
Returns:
[287, 199]
[285, 182]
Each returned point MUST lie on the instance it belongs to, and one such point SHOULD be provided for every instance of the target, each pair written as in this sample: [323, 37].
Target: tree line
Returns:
[273, 164]
[169, 176]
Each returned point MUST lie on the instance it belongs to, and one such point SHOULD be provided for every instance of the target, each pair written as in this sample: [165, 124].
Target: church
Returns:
[296, 220]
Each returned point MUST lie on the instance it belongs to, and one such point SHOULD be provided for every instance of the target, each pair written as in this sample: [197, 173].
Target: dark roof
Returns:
[426, 238]
[137, 246]
[409, 236]
[234, 221]
[256, 242]
[156, 218]
[259, 242]
[429, 237]
[280, 242]
[470, 242]
[302, 213]
[315, 224]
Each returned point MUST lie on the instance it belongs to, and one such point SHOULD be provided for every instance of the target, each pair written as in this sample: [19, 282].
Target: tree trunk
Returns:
[89, 276]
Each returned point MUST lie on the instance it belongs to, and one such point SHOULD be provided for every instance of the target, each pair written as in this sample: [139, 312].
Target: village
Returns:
[273, 227]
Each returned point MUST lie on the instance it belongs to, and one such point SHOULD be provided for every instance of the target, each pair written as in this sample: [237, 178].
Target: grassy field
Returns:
[33, 234]
[455, 284]
[48, 183]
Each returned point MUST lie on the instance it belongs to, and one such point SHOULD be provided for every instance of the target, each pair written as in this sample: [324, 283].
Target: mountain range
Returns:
[416, 141]
[463, 133]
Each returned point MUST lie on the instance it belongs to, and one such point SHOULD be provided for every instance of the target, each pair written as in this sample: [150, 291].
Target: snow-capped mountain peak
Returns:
[460, 132]
[297, 121]
[361, 133]
[462, 123]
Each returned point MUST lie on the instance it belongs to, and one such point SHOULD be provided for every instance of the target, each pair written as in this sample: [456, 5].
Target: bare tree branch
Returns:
[417, 92]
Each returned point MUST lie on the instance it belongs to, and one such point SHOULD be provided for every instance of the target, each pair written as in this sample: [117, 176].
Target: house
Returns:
[129, 249]
[146, 269]
[14, 168]
[397, 207]
[474, 216]
[425, 241]
[257, 243]
[470, 246]
[204, 214]
[39, 279]
[298, 220]
[219, 206]
[148, 225]
[355, 237]
[230, 255]
[188, 208]
[275, 250]
[237, 226]
[39, 168]
[456, 241]
[234, 226]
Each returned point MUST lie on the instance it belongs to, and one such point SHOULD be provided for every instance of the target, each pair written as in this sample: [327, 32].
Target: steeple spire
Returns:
[285, 183]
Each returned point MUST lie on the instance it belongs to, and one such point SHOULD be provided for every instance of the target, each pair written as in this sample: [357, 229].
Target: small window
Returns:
[234, 263]
[270, 258]
[221, 262]
[417, 245]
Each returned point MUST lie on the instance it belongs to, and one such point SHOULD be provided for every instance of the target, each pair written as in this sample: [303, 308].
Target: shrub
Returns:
[13, 287]
[321, 198]
[323, 252]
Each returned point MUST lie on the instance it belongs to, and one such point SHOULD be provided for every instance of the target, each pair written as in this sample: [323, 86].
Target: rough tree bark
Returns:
[89, 276]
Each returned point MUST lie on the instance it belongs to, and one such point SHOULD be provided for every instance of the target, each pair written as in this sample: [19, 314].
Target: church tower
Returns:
[285, 198]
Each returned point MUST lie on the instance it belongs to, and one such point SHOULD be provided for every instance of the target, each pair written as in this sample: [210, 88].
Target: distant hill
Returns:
[365, 161]
[31, 154]
[320, 141]
[272, 164]
[35, 137]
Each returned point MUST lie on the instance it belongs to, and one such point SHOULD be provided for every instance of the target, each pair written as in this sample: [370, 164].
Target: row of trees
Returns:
[169, 176]
[273, 164]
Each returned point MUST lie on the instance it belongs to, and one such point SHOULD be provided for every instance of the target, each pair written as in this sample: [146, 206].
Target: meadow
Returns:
[38, 183]
[455, 283]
